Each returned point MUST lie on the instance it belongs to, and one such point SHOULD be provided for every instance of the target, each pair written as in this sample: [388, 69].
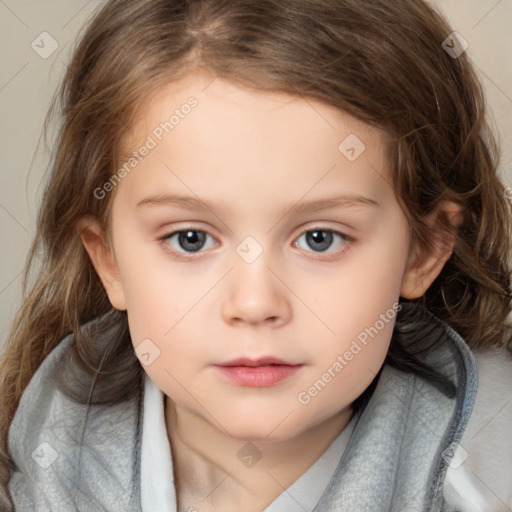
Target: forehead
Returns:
[240, 138]
[221, 100]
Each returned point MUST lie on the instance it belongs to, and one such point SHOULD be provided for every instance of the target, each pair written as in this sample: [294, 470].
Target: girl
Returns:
[274, 243]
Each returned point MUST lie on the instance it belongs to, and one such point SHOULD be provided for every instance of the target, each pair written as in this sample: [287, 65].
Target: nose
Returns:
[256, 295]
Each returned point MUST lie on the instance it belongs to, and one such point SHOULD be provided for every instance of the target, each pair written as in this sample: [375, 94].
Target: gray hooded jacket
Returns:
[71, 456]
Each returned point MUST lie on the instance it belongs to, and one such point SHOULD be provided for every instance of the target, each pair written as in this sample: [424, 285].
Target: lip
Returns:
[261, 372]
[261, 361]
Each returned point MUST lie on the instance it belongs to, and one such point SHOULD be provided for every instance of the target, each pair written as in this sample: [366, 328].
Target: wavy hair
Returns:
[382, 62]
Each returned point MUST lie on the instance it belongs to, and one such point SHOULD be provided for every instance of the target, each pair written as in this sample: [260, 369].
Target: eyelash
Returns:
[186, 256]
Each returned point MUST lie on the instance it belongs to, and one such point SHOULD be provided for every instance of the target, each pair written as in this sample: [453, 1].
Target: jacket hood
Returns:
[74, 456]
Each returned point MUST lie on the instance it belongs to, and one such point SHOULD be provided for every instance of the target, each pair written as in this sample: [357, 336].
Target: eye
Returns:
[190, 240]
[321, 239]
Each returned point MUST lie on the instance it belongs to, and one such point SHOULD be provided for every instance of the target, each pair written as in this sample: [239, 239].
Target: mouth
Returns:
[262, 372]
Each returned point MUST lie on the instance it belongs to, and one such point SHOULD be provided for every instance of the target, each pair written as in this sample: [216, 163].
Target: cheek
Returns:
[155, 295]
[347, 367]
[365, 291]
[163, 312]
[361, 341]
[359, 304]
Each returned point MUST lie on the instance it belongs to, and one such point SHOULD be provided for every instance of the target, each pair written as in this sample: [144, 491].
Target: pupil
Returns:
[191, 240]
[323, 238]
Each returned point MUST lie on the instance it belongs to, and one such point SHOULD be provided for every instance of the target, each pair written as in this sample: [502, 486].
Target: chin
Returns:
[261, 428]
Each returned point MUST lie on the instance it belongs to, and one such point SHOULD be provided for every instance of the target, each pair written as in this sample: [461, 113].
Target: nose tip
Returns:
[255, 296]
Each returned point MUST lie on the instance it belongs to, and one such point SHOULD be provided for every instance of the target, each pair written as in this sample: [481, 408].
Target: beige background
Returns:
[28, 81]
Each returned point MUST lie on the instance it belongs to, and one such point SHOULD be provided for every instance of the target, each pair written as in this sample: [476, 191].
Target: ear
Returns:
[102, 258]
[425, 265]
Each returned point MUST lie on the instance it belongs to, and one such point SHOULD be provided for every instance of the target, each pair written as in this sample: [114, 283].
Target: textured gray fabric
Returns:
[73, 457]
[398, 455]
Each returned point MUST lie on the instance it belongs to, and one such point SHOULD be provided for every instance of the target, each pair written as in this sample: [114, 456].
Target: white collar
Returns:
[156, 480]
[157, 483]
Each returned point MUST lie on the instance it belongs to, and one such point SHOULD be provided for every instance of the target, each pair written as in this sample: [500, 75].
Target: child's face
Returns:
[258, 284]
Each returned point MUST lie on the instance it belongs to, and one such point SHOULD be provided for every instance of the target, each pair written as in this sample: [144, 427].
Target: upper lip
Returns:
[261, 361]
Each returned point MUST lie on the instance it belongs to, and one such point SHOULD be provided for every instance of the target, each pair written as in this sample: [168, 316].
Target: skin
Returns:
[256, 154]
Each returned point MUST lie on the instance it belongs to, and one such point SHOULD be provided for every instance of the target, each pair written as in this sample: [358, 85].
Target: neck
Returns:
[215, 471]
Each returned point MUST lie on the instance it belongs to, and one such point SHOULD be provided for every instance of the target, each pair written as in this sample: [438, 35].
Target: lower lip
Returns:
[258, 376]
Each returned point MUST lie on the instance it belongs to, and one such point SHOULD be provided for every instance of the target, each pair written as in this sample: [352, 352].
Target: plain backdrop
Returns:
[28, 79]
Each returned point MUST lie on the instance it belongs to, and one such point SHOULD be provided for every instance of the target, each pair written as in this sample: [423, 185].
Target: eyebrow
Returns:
[194, 203]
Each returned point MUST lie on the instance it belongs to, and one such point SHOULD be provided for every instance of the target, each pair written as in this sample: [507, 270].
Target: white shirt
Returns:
[475, 481]
[157, 485]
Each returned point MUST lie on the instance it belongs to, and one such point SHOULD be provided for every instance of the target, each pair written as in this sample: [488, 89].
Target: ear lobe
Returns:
[425, 265]
[103, 259]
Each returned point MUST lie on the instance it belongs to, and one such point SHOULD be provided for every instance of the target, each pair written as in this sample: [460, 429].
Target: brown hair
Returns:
[380, 61]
